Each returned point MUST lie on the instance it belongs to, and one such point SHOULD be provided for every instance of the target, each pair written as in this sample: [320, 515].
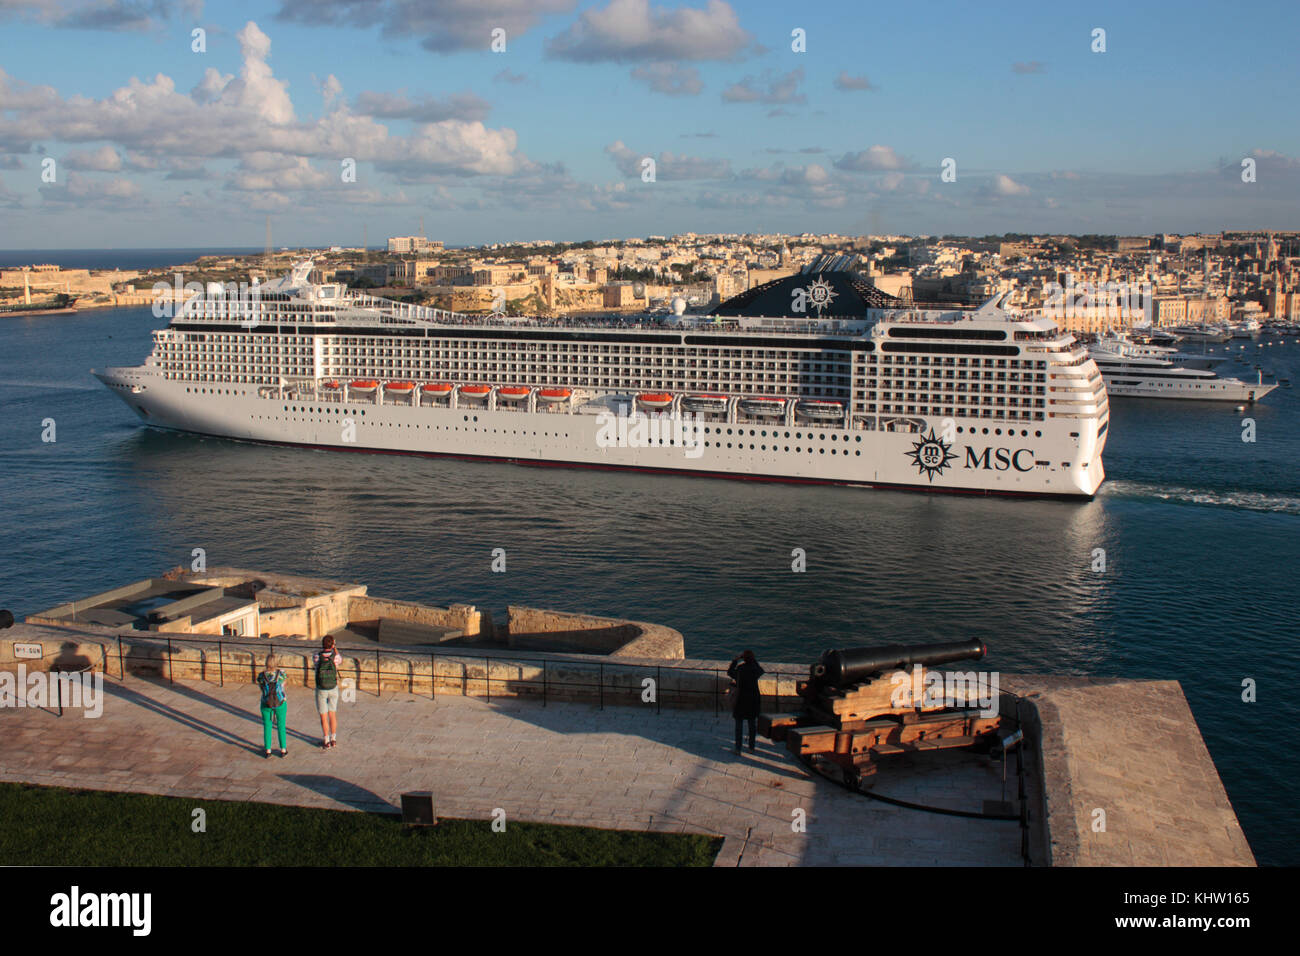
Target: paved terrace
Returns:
[1130, 748]
[567, 763]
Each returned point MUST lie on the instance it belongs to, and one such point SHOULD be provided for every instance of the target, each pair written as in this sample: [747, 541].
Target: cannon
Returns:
[839, 668]
[856, 713]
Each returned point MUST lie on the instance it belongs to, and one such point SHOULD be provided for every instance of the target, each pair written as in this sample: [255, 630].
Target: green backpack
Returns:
[327, 674]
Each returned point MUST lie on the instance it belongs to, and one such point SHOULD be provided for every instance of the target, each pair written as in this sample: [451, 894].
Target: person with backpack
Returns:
[275, 706]
[327, 661]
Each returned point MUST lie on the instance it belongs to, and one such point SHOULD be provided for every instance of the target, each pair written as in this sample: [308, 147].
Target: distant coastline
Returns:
[141, 260]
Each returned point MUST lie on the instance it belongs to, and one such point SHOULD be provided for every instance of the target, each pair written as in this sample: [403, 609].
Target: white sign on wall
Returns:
[30, 651]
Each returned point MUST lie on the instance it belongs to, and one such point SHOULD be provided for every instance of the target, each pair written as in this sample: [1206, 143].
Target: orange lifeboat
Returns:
[436, 388]
[406, 387]
[475, 392]
[513, 393]
[655, 399]
[363, 385]
[554, 394]
[331, 386]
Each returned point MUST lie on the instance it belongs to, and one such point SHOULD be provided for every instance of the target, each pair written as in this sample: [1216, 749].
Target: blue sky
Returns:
[154, 144]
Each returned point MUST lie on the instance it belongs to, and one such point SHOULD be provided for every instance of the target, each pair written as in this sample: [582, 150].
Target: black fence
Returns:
[555, 679]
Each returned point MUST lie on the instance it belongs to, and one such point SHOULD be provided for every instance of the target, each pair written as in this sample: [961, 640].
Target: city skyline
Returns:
[344, 120]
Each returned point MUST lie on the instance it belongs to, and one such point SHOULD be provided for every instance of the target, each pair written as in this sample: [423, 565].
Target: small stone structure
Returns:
[241, 603]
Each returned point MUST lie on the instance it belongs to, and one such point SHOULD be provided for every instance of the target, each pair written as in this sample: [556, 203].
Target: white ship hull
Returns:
[981, 457]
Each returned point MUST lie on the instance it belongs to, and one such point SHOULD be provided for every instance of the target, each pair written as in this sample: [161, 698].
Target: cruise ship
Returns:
[817, 377]
[1140, 372]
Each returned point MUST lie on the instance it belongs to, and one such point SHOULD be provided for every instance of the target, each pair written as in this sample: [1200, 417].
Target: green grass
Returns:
[58, 826]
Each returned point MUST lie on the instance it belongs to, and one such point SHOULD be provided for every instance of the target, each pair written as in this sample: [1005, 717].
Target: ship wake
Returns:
[1243, 500]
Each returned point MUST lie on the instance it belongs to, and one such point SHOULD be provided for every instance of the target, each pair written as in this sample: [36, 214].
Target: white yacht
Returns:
[1129, 373]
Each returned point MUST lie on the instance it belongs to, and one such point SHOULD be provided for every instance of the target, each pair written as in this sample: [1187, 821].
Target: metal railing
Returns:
[58, 682]
[783, 681]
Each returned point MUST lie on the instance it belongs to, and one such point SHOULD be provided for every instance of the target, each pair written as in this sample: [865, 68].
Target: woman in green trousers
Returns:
[275, 706]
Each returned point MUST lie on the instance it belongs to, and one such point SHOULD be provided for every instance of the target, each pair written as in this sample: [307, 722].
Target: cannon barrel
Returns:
[836, 668]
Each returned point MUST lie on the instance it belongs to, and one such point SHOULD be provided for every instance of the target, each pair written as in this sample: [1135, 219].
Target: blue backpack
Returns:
[272, 691]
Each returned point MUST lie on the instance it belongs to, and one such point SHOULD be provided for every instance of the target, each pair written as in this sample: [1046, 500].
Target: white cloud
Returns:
[633, 30]
[668, 166]
[423, 108]
[227, 117]
[770, 88]
[257, 89]
[848, 83]
[671, 79]
[112, 15]
[1006, 186]
[443, 26]
[874, 158]
[105, 159]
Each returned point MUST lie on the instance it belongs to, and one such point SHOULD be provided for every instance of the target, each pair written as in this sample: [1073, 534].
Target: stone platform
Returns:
[566, 763]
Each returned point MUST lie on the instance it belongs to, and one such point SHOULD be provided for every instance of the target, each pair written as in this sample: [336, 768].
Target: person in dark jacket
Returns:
[746, 702]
